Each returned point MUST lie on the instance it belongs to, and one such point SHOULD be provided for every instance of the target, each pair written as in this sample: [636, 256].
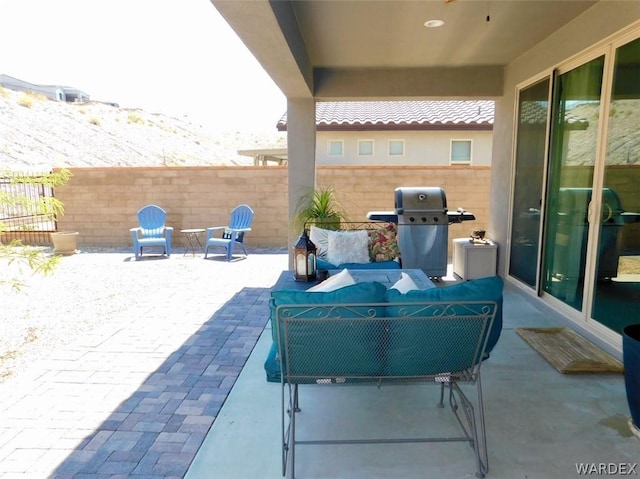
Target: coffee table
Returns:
[385, 276]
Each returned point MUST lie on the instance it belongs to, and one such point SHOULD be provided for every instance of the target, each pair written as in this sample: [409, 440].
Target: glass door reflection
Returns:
[575, 123]
[616, 286]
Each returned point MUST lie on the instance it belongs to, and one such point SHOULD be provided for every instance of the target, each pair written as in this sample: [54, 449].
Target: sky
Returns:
[177, 57]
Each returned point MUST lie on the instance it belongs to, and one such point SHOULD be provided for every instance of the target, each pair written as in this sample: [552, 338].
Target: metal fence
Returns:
[22, 215]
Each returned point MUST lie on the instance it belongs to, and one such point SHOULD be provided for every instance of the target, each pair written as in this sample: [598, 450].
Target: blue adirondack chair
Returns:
[233, 234]
[152, 231]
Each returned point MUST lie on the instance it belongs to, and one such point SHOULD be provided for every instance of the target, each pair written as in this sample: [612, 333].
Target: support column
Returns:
[301, 154]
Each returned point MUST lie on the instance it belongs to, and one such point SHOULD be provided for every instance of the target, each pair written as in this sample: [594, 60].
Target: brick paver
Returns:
[136, 397]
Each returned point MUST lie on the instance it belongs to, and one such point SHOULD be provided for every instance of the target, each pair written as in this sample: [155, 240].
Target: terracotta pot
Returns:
[65, 242]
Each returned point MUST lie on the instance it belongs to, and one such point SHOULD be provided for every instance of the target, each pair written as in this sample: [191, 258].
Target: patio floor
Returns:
[540, 423]
[173, 387]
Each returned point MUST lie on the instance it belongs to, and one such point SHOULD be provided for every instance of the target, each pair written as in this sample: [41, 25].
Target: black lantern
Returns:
[304, 260]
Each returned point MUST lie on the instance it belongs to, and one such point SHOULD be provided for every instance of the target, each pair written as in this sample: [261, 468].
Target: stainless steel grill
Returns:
[423, 227]
[573, 227]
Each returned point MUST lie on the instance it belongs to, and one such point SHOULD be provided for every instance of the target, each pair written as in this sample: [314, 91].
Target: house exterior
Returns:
[565, 201]
[52, 92]
[438, 133]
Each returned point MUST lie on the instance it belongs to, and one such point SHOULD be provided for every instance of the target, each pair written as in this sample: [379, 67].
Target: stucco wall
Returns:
[101, 203]
[576, 37]
[423, 148]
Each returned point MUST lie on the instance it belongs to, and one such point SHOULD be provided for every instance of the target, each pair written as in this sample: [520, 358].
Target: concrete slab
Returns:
[539, 423]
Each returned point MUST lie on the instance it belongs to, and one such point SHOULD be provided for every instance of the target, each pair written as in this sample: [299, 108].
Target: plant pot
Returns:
[65, 242]
[631, 361]
[327, 223]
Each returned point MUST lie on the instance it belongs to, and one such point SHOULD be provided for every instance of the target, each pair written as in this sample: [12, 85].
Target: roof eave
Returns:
[399, 127]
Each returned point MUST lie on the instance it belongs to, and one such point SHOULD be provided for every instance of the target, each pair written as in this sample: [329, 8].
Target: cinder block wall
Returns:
[101, 203]
[364, 189]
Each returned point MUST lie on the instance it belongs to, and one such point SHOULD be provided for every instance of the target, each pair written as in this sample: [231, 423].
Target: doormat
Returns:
[569, 352]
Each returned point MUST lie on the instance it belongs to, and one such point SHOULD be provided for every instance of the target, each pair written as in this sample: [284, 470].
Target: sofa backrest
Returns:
[346, 342]
[377, 240]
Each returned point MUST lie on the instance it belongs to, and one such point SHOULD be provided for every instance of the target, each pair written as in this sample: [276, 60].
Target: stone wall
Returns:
[101, 203]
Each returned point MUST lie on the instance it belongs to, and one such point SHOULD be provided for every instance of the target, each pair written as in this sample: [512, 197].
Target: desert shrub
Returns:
[133, 118]
[26, 100]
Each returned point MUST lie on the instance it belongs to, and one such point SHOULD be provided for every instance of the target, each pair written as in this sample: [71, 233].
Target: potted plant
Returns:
[631, 361]
[320, 207]
[64, 242]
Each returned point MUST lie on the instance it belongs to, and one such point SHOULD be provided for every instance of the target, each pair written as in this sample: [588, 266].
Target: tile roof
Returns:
[405, 115]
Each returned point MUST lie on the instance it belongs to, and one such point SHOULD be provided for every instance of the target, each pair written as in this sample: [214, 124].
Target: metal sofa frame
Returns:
[407, 343]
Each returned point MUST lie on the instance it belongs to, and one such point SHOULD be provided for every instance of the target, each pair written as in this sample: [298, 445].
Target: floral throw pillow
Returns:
[383, 243]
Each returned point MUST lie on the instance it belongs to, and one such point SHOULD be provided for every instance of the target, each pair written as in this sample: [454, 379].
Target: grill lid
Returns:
[410, 200]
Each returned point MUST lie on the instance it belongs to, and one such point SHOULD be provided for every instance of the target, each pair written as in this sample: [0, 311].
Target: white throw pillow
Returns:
[348, 247]
[404, 284]
[320, 238]
[337, 281]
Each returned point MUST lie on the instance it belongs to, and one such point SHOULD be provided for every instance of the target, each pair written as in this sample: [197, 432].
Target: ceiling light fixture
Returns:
[433, 23]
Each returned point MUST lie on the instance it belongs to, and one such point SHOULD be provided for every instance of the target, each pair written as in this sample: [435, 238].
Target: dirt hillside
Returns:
[37, 134]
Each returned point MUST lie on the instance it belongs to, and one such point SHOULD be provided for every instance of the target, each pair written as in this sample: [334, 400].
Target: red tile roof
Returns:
[402, 115]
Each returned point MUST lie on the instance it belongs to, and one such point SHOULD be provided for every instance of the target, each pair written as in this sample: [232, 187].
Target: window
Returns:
[335, 147]
[460, 152]
[365, 147]
[396, 147]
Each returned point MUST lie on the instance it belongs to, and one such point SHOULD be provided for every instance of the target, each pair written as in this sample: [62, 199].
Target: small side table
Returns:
[474, 260]
[193, 239]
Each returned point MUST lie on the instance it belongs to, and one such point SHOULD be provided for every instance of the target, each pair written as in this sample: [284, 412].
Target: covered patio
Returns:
[540, 423]
[519, 54]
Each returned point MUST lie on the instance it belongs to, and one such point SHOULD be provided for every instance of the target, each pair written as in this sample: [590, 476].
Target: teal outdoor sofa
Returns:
[367, 334]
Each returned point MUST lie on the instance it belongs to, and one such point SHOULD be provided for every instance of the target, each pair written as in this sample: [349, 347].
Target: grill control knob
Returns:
[411, 219]
[435, 219]
[424, 220]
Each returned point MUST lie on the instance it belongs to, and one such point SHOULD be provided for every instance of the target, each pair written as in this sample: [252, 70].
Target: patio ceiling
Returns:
[350, 49]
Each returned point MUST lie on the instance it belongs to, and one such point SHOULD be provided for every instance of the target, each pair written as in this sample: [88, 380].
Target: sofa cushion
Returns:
[404, 284]
[272, 365]
[482, 289]
[348, 247]
[382, 246]
[323, 264]
[336, 281]
[364, 354]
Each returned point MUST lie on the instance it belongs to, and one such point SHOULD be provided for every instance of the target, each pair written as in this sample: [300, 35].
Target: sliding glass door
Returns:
[574, 141]
[616, 283]
[575, 224]
[533, 112]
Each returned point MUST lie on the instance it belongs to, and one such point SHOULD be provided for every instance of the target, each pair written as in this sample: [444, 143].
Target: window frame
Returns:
[367, 155]
[460, 162]
[395, 155]
[330, 153]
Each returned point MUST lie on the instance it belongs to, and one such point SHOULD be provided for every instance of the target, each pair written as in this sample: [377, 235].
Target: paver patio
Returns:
[172, 386]
[137, 395]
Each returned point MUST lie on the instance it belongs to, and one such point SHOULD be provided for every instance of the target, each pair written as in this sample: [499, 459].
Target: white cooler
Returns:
[474, 260]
